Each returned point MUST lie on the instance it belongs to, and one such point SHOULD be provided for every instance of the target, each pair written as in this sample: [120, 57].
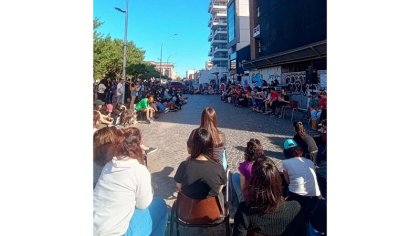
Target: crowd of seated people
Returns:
[265, 100]
[272, 200]
[152, 99]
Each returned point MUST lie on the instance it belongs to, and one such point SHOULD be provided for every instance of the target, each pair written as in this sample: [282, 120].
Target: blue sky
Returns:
[151, 22]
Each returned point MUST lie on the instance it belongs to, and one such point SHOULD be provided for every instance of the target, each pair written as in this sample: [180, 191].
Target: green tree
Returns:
[108, 54]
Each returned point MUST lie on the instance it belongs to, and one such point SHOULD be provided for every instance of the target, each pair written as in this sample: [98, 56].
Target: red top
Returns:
[274, 95]
[323, 102]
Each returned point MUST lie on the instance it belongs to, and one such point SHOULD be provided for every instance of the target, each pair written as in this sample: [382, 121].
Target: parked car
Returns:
[176, 85]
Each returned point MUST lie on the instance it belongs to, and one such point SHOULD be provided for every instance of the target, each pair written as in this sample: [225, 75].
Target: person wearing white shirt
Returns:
[123, 202]
[299, 173]
[120, 92]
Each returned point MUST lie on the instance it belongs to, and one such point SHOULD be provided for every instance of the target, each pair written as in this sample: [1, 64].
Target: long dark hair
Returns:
[209, 122]
[265, 190]
[299, 129]
[293, 152]
[202, 144]
[253, 150]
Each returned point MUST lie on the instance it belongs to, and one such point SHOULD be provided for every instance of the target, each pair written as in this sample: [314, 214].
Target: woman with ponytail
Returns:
[209, 122]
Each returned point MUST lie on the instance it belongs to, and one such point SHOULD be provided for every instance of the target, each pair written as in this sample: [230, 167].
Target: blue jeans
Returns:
[160, 106]
[315, 114]
[236, 183]
[149, 221]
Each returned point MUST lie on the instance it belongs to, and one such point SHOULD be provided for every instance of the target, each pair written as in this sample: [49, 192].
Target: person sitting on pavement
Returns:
[128, 117]
[299, 173]
[143, 106]
[209, 122]
[305, 141]
[200, 176]
[123, 202]
[161, 108]
[240, 180]
[103, 119]
[265, 211]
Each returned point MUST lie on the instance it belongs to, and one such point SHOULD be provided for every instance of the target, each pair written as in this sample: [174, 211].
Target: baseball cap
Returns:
[289, 143]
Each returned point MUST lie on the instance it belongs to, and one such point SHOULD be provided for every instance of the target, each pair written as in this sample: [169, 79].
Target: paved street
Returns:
[170, 132]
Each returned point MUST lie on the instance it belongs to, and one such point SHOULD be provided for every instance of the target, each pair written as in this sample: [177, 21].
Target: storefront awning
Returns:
[305, 53]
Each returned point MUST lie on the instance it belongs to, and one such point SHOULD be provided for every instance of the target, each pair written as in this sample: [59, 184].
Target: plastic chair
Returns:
[292, 105]
[209, 212]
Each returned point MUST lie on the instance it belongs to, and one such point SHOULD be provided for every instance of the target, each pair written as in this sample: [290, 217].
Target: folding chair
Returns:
[203, 213]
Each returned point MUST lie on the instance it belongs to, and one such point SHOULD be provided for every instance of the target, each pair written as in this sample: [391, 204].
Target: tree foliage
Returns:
[108, 57]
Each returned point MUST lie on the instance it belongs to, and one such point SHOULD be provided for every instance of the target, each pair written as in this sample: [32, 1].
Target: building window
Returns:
[258, 11]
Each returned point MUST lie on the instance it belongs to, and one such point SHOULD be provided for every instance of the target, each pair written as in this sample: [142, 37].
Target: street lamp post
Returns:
[161, 47]
[125, 36]
[167, 63]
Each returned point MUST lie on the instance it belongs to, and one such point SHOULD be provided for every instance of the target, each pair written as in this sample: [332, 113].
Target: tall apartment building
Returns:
[238, 37]
[289, 44]
[218, 35]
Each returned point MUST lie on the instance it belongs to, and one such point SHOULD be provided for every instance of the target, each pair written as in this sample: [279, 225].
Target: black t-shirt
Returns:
[200, 179]
[287, 220]
[307, 144]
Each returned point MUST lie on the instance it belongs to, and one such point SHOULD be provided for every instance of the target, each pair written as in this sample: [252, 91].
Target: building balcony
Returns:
[210, 37]
[218, 24]
[221, 41]
[220, 49]
[218, 31]
[220, 15]
[218, 20]
[210, 54]
[214, 41]
[217, 6]
[218, 58]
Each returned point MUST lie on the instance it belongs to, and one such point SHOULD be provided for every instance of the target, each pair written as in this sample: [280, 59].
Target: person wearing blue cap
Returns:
[299, 173]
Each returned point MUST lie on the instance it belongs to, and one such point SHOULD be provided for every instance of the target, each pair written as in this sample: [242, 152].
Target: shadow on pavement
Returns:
[163, 184]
